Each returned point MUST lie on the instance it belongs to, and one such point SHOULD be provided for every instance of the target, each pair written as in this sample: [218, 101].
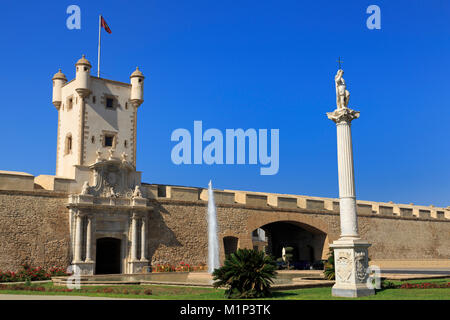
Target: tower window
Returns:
[69, 103]
[109, 103]
[125, 143]
[109, 140]
[93, 139]
[93, 99]
[68, 144]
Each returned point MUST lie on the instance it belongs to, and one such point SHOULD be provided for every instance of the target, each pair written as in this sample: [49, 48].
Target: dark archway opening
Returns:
[307, 243]
[108, 256]
[230, 245]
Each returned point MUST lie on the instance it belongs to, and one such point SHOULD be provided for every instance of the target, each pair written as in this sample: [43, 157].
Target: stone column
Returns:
[350, 252]
[78, 237]
[89, 239]
[347, 198]
[144, 239]
[134, 237]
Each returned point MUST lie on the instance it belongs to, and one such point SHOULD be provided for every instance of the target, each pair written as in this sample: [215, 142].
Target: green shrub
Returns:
[246, 274]
[385, 284]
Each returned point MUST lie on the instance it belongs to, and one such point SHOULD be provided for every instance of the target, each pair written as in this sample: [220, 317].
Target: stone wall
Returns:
[406, 239]
[178, 231]
[34, 228]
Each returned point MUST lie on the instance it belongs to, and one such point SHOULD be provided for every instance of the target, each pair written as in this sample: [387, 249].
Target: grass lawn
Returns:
[196, 293]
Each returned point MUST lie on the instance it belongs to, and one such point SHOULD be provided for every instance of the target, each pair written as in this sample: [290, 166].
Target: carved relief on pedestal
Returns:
[344, 266]
[361, 264]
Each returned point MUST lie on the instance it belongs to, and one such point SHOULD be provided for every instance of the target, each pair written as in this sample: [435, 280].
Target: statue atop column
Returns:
[342, 94]
[342, 112]
[351, 254]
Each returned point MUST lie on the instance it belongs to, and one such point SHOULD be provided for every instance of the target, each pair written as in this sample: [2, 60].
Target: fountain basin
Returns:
[284, 280]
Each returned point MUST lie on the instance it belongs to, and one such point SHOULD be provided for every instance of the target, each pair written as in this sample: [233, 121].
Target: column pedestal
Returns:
[351, 264]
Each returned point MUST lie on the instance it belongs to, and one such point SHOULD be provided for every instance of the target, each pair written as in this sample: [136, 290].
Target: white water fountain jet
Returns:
[213, 242]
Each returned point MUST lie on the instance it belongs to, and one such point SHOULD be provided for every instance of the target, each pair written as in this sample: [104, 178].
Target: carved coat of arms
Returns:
[113, 178]
[344, 266]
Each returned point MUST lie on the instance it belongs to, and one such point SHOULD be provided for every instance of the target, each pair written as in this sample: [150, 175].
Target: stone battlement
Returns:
[285, 201]
[20, 181]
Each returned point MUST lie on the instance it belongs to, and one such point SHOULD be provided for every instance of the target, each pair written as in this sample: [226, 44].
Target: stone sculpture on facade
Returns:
[99, 156]
[85, 189]
[111, 192]
[137, 192]
[111, 153]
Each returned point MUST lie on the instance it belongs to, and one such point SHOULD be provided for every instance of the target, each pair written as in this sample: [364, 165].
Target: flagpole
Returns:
[99, 41]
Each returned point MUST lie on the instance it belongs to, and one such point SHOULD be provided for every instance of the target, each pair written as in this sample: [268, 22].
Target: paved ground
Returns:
[50, 297]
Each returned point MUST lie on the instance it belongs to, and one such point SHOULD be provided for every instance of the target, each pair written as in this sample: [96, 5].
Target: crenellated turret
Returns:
[97, 116]
[83, 71]
[137, 88]
[59, 79]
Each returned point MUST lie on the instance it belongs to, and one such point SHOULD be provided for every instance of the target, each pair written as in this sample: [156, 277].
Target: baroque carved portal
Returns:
[114, 178]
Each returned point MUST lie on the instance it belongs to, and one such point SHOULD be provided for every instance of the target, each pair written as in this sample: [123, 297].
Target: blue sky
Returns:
[248, 64]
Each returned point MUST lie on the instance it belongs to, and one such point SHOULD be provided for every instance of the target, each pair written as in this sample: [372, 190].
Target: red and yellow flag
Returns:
[105, 25]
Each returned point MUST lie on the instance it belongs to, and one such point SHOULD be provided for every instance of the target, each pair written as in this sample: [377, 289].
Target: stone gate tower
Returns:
[96, 164]
[95, 116]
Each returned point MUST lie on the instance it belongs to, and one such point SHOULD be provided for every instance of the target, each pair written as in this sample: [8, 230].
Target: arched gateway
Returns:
[262, 228]
[307, 242]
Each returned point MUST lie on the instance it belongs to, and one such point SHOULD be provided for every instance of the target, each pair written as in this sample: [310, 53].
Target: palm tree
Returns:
[246, 274]
[329, 266]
